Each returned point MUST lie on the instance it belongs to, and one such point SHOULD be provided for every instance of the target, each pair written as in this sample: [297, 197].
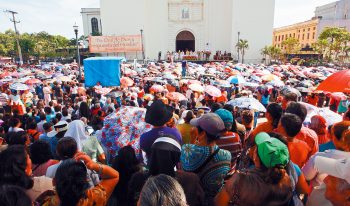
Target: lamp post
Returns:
[75, 27]
[143, 51]
[239, 33]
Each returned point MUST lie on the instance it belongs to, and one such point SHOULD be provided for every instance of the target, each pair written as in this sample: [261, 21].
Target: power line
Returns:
[17, 33]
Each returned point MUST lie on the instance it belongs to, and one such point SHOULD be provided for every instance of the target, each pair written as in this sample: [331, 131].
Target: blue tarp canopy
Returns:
[105, 70]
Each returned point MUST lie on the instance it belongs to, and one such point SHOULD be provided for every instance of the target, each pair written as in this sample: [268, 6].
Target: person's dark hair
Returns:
[51, 104]
[291, 97]
[247, 116]
[84, 110]
[162, 190]
[189, 116]
[42, 116]
[126, 163]
[291, 123]
[216, 106]
[65, 112]
[40, 152]
[14, 122]
[17, 138]
[47, 126]
[66, 148]
[57, 108]
[275, 110]
[258, 185]
[47, 110]
[71, 182]
[31, 125]
[11, 195]
[13, 165]
[297, 109]
[59, 116]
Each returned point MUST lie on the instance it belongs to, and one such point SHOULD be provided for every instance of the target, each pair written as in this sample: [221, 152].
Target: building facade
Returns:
[336, 14]
[91, 21]
[197, 25]
[305, 32]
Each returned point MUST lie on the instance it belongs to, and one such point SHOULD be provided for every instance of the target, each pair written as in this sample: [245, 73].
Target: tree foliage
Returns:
[334, 42]
[34, 45]
[242, 46]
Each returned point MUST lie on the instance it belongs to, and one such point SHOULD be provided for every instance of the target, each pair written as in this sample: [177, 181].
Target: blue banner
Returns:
[105, 70]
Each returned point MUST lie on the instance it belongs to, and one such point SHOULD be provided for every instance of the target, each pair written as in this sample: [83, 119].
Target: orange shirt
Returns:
[310, 137]
[263, 127]
[299, 152]
[312, 101]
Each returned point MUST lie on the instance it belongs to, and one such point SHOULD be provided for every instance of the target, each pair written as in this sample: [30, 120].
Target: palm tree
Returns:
[242, 45]
[265, 53]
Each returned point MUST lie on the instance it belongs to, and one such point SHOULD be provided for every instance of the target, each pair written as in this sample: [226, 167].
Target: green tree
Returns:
[265, 52]
[242, 46]
[291, 45]
[337, 39]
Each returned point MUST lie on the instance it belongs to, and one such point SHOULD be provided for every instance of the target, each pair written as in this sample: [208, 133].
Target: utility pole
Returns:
[17, 34]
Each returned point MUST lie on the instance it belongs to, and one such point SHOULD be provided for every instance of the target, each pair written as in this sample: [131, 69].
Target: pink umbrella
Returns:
[213, 91]
[157, 88]
[176, 96]
[196, 87]
[126, 81]
[338, 96]
[192, 81]
[33, 81]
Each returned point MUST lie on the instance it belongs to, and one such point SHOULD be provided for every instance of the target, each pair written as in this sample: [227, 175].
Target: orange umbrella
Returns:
[338, 82]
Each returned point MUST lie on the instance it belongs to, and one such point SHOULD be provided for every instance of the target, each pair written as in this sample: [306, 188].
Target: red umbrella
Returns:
[33, 81]
[176, 96]
[338, 82]
[157, 88]
[126, 81]
[213, 91]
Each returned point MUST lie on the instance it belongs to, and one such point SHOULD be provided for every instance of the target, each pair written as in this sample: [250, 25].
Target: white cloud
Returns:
[58, 16]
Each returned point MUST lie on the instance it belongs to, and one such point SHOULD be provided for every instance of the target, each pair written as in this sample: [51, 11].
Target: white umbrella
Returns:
[19, 86]
[249, 103]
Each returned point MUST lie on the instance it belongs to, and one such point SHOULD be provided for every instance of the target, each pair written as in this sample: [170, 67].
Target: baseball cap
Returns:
[271, 151]
[60, 126]
[335, 167]
[211, 123]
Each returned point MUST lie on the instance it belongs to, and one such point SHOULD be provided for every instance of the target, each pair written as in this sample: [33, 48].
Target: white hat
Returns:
[338, 168]
[60, 126]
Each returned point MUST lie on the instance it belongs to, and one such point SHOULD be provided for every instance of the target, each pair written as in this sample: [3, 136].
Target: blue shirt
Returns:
[52, 141]
[327, 146]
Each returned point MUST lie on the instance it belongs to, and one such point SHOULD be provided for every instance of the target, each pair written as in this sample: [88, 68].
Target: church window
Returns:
[94, 25]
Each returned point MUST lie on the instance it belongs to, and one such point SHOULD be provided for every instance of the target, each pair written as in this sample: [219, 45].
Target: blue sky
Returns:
[59, 16]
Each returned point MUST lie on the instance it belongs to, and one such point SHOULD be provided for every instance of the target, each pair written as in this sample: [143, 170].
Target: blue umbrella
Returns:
[238, 79]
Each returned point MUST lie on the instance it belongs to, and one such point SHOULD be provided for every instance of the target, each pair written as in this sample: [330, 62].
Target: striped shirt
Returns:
[231, 142]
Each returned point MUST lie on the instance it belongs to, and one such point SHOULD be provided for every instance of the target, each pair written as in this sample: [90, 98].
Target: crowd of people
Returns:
[222, 134]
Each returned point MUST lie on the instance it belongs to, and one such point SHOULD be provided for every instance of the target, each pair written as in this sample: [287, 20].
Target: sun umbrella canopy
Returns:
[19, 86]
[157, 88]
[176, 96]
[103, 91]
[238, 79]
[213, 91]
[270, 77]
[249, 103]
[330, 116]
[33, 81]
[126, 81]
[123, 128]
[64, 78]
[287, 90]
[196, 87]
[338, 82]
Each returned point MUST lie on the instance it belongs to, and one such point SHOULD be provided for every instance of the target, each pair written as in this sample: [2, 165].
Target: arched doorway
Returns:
[185, 41]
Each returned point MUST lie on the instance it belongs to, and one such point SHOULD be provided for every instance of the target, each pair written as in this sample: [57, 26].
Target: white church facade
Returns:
[197, 25]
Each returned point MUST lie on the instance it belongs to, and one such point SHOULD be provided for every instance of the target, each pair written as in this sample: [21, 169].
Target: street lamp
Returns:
[143, 51]
[239, 33]
[76, 29]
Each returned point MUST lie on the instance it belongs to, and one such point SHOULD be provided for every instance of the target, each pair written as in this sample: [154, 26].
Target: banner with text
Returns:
[110, 44]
